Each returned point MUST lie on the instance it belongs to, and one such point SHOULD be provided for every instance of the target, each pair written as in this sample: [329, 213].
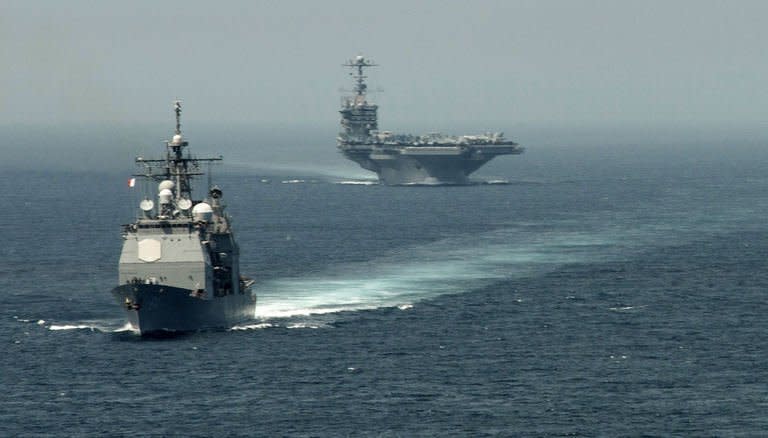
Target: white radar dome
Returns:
[184, 204]
[166, 184]
[147, 205]
[177, 139]
[202, 212]
[165, 196]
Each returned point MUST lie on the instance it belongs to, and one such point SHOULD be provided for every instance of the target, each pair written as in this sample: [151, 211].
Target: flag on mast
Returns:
[131, 182]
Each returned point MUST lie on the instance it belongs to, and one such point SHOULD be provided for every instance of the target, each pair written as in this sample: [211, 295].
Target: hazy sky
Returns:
[441, 62]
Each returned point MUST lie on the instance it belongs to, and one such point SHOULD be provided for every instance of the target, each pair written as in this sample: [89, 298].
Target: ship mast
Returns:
[176, 164]
[177, 109]
[359, 64]
[175, 167]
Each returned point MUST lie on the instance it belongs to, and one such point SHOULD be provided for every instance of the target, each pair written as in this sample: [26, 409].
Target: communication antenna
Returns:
[358, 65]
[177, 109]
[177, 170]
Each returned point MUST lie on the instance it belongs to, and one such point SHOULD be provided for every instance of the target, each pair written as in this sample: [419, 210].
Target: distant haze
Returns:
[513, 66]
[441, 62]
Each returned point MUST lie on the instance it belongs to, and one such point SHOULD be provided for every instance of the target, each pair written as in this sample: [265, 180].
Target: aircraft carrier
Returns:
[405, 159]
[179, 267]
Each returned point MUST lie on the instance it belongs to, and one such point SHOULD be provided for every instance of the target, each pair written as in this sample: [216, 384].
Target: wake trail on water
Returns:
[100, 326]
[413, 274]
[469, 262]
[329, 172]
[116, 326]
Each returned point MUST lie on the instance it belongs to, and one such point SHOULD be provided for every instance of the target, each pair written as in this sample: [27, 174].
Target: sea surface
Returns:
[595, 291]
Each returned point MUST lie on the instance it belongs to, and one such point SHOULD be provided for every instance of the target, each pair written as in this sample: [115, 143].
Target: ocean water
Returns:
[604, 291]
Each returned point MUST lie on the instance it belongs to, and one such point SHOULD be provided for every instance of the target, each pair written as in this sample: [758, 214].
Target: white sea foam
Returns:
[304, 325]
[72, 327]
[107, 326]
[126, 328]
[258, 326]
[304, 306]
[359, 183]
[452, 265]
[626, 308]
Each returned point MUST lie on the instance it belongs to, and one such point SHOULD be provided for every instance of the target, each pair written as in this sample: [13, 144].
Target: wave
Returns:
[55, 327]
[364, 182]
[255, 326]
[626, 308]
[109, 326]
[94, 326]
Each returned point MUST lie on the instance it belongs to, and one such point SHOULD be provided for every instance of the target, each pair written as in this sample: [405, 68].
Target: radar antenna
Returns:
[177, 108]
[359, 64]
[176, 167]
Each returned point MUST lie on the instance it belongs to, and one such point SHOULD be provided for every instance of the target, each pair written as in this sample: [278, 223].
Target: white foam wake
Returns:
[55, 327]
[94, 326]
[365, 182]
[422, 272]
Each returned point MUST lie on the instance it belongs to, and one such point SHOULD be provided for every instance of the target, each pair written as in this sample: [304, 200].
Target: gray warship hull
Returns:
[424, 165]
[155, 309]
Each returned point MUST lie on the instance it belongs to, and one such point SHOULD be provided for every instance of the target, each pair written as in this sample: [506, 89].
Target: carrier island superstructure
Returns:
[404, 159]
[179, 267]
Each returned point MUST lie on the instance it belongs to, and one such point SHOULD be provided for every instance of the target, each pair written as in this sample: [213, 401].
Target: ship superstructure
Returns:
[179, 267]
[404, 159]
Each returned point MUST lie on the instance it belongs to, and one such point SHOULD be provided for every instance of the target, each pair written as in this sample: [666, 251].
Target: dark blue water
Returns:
[603, 292]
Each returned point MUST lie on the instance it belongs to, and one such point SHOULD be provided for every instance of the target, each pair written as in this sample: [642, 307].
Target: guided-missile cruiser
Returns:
[405, 159]
[179, 268]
